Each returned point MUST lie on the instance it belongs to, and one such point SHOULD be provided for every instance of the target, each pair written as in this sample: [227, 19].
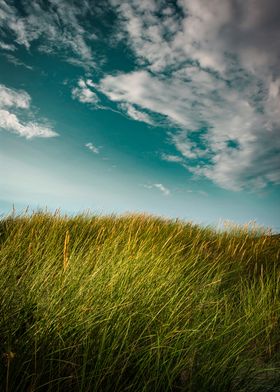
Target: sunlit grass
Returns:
[137, 303]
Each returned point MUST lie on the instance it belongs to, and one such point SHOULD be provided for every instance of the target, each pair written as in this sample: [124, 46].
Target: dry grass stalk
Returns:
[65, 251]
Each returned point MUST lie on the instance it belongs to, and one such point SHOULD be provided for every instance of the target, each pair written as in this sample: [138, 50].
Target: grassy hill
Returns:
[137, 303]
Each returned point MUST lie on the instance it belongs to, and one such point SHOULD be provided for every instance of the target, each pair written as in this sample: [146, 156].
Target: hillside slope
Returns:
[137, 303]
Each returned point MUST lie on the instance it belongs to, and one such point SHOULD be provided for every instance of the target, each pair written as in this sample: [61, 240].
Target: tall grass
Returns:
[137, 303]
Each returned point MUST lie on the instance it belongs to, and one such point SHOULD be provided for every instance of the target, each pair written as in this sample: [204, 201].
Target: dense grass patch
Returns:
[137, 303]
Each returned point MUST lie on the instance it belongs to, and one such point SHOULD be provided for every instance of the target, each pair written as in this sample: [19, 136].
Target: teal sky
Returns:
[166, 107]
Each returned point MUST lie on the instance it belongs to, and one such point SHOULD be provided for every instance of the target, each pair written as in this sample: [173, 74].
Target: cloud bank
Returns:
[211, 71]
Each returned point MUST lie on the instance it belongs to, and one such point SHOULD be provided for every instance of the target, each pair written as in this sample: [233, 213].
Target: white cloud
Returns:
[14, 98]
[155, 94]
[192, 99]
[92, 148]
[136, 114]
[6, 46]
[171, 158]
[83, 93]
[11, 122]
[223, 78]
[160, 187]
[59, 26]
[11, 101]
[208, 33]
[163, 189]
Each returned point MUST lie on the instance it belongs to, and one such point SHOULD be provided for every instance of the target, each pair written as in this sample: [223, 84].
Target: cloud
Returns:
[165, 35]
[171, 158]
[57, 25]
[5, 46]
[161, 187]
[135, 114]
[92, 148]
[14, 60]
[199, 192]
[209, 73]
[212, 72]
[14, 98]
[79, 63]
[143, 89]
[10, 122]
[84, 94]
[12, 101]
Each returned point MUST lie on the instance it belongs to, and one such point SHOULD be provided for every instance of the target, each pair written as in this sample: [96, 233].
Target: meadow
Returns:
[137, 303]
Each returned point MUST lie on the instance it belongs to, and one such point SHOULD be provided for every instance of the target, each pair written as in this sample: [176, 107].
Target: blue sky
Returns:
[167, 107]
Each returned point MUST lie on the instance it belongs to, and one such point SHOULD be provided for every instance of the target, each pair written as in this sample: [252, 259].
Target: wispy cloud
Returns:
[92, 148]
[199, 192]
[172, 158]
[18, 63]
[12, 103]
[136, 114]
[160, 187]
[5, 46]
[58, 26]
[80, 63]
[163, 189]
[149, 92]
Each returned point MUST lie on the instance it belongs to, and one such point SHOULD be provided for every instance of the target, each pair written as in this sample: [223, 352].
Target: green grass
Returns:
[137, 303]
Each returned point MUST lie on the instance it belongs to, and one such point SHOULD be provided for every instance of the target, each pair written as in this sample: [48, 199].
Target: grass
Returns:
[137, 303]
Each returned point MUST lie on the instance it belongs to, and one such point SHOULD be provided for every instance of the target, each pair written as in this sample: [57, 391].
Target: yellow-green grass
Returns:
[137, 303]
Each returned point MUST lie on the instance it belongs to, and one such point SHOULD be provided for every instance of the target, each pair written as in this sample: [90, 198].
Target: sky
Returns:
[165, 107]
